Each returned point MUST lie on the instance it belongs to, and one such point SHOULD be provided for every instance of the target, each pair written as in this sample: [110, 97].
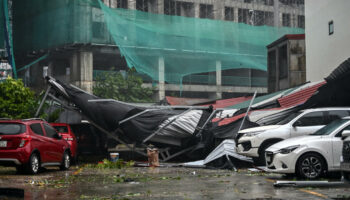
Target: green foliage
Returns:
[113, 85]
[16, 100]
[107, 164]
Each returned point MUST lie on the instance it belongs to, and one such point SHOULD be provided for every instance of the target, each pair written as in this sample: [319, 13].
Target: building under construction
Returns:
[199, 48]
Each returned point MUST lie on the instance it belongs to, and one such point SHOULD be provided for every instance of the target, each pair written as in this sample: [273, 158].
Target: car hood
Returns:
[259, 128]
[302, 140]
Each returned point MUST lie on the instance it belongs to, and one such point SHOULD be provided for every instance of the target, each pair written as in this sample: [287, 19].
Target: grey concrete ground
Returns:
[83, 182]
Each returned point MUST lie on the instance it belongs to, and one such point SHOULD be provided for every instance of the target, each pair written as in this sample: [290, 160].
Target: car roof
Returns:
[23, 121]
[325, 109]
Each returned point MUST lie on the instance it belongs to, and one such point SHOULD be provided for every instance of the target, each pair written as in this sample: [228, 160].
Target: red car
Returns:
[30, 144]
[67, 134]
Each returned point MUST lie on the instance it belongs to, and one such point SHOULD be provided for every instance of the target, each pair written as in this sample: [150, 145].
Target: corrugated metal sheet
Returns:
[229, 102]
[299, 97]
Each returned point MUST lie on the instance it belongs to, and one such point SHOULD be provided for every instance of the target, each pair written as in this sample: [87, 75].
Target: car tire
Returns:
[33, 166]
[65, 161]
[310, 166]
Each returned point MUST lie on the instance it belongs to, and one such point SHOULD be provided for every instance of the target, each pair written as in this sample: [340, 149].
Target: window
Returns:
[286, 19]
[178, 8]
[247, 1]
[36, 128]
[271, 62]
[11, 128]
[229, 13]
[61, 129]
[336, 114]
[50, 132]
[122, 4]
[243, 16]
[330, 28]
[283, 62]
[206, 11]
[301, 21]
[142, 5]
[312, 119]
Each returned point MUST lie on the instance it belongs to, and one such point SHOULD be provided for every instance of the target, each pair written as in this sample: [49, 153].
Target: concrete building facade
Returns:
[77, 61]
[327, 36]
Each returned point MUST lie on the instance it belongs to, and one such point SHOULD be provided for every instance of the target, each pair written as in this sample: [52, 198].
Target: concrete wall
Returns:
[325, 52]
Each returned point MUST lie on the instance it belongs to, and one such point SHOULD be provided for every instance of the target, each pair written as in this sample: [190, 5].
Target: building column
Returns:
[276, 14]
[218, 80]
[235, 13]
[132, 4]
[160, 6]
[81, 70]
[196, 10]
[161, 83]
[219, 10]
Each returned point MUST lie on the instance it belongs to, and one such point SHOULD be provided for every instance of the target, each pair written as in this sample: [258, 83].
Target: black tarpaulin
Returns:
[108, 114]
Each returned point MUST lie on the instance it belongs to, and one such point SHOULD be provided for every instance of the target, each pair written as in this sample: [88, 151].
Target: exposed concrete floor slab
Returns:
[159, 183]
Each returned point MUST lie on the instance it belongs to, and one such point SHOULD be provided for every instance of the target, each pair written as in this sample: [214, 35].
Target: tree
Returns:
[16, 100]
[114, 85]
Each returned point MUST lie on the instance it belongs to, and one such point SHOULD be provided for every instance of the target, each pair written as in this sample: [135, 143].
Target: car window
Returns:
[50, 132]
[328, 129]
[312, 119]
[289, 118]
[61, 129]
[12, 128]
[37, 129]
[336, 114]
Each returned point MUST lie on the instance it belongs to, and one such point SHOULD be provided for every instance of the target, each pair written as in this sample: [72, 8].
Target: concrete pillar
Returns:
[161, 84]
[113, 4]
[219, 10]
[160, 6]
[196, 10]
[132, 4]
[235, 13]
[276, 14]
[81, 70]
[218, 80]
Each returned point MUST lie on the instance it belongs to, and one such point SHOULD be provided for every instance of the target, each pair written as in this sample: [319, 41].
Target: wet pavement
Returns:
[84, 182]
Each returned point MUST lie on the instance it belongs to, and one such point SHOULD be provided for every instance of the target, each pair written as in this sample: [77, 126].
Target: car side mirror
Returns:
[297, 123]
[345, 133]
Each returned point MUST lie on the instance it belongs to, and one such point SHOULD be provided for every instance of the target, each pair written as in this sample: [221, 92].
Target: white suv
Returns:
[253, 142]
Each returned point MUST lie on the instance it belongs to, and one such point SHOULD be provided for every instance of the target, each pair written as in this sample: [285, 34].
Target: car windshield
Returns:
[326, 130]
[289, 118]
[11, 128]
[61, 129]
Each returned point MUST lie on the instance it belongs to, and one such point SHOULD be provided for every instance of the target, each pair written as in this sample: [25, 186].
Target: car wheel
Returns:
[311, 166]
[33, 164]
[65, 161]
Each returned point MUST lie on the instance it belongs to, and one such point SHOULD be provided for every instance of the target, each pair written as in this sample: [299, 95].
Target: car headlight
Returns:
[250, 134]
[287, 150]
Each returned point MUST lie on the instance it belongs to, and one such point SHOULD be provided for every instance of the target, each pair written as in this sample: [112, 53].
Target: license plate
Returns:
[3, 143]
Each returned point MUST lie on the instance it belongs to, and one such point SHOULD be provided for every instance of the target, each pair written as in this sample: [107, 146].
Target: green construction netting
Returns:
[188, 45]
[2, 34]
[146, 40]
